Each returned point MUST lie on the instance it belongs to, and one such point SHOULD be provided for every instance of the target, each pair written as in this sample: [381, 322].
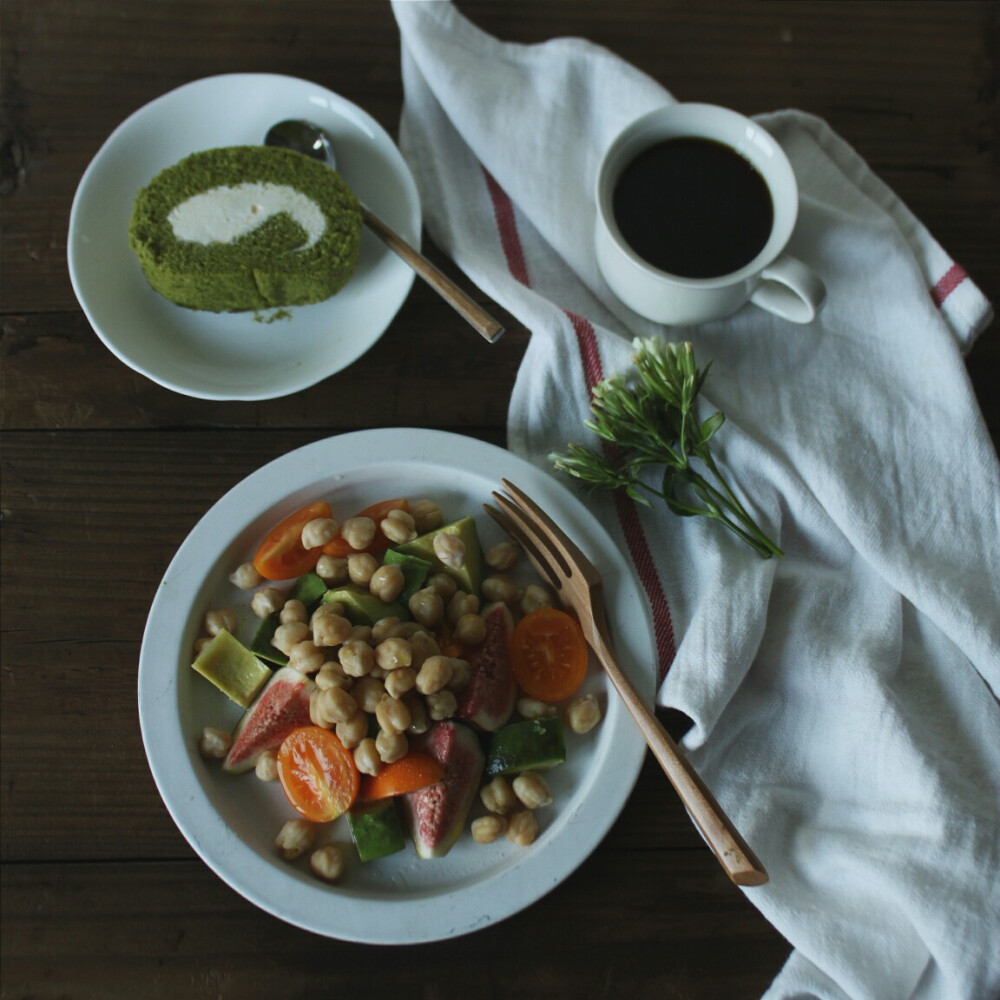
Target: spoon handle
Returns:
[484, 323]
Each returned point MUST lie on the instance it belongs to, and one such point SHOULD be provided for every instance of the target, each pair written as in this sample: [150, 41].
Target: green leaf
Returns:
[711, 425]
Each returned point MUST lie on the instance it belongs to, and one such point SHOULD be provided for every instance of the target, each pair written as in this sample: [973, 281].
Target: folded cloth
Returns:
[843, 697]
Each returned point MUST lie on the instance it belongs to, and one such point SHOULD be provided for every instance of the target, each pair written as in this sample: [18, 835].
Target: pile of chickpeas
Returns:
[394, 671]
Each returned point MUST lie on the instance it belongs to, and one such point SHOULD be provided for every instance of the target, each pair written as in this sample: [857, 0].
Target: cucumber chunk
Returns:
[232, 668]
[362, 607]
[414, 569]
[376, 829]
[534, 745]
[469, 575]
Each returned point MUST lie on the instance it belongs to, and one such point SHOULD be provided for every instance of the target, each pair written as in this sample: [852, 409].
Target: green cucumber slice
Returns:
[534, 745]
[362, 607]
[414, 569]
[376, 829]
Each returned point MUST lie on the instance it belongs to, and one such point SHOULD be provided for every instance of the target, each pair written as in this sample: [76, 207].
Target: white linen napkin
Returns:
[844, 696]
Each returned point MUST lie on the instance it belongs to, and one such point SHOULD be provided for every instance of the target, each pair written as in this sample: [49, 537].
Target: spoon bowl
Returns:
[304, 137]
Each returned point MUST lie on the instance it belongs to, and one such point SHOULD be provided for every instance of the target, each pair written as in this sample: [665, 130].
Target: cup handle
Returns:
[789, 289]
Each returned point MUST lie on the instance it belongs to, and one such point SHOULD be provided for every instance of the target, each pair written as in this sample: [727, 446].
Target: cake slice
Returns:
[246, 227]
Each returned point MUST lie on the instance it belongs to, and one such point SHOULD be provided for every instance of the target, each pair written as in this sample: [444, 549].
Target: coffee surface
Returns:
[693, 207]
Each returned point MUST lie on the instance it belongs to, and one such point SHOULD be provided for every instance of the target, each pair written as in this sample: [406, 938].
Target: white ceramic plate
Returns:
[236, 355]
[231, 821]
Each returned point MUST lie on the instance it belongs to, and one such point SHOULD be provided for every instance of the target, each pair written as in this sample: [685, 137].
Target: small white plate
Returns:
[231, 821]
[236, 355]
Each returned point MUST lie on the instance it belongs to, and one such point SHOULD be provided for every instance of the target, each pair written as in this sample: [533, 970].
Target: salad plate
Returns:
[231, 820]
[248, 355]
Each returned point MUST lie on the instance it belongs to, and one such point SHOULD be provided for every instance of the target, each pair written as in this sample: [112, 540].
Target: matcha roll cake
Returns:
[246, 227]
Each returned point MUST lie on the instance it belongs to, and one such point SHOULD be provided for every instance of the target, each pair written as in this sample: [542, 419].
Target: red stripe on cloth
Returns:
[628, 518]
[503, 212]
[949, 281]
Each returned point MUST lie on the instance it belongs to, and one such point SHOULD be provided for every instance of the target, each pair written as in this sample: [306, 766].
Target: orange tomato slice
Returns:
[281, 555]
[548, 654]
[408, 774]
[318, 774]
[338, 546]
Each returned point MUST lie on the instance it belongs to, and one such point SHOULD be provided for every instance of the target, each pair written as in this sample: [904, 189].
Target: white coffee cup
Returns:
[772, 280]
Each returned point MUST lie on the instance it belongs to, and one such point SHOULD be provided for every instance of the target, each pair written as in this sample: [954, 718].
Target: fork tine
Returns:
[557, 541]
[536, 532]
[527, 543]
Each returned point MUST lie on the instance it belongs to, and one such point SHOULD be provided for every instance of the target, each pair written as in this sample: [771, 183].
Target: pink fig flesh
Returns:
[488, 700]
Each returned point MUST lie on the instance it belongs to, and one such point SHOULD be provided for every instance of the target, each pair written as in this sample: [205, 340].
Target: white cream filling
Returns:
[224, 214]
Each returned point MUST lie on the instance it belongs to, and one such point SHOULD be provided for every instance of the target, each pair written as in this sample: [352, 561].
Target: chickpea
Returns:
[427, 607]
[266, 767]
[385, 628]
[219, 620]
[461, 673]
[422, 645]
[393, 653]
[426, 515]
[352, 731]
[434, 674]
[332, 675]
[366, 757]
[522, 828]
[327, 608]
[535, 597]
[306, 657]
[392, 715]
[486, 829]
[368, 692]
[498, 796]
[356, 658]
[400, 681]
[332, 570]
[358, 532]
[331, 629]
[450, 549]
[265, 602]
[246, 577]
[460, 604]
[336, 704]
[286, 637]
[398, 527]
[391, 746]
[362, 633]
[501, 556]
[470, 629]
[444, 584]
[295, 838]
[327, 863]
[214, 743]
[532, 790]
[583, 714]
[319, 531]
[532, 708]
[387, 583]
[419, 722]
[361, 568]
[441, 705]
[501, 588]
[293, 611]
[317, 716]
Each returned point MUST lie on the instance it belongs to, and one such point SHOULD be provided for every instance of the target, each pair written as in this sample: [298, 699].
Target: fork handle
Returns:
[732, 851]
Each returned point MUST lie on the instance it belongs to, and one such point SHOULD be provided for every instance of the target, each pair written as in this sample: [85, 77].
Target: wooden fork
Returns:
[578, 583]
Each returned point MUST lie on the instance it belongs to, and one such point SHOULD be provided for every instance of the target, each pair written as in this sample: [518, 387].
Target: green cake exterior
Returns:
[259, 270]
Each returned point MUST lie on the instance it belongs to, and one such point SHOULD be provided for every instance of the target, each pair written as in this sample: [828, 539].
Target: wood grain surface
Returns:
[105, 473]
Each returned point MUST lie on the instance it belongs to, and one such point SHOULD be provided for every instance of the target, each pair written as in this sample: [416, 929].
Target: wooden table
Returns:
[104, 474]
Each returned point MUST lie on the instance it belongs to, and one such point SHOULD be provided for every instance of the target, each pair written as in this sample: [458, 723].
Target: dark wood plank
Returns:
[626, 924]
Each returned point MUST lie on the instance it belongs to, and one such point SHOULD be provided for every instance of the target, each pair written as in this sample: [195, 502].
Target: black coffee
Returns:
[693, 207]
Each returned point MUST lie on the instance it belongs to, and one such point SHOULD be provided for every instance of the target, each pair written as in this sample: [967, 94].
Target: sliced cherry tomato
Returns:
[317, 773]
[281, 555]
[415, 770]
[339, 548]
[548, 654]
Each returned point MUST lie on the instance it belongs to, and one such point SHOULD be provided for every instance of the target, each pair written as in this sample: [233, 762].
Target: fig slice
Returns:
[280, 708]
[488, 700]
[436, 814]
